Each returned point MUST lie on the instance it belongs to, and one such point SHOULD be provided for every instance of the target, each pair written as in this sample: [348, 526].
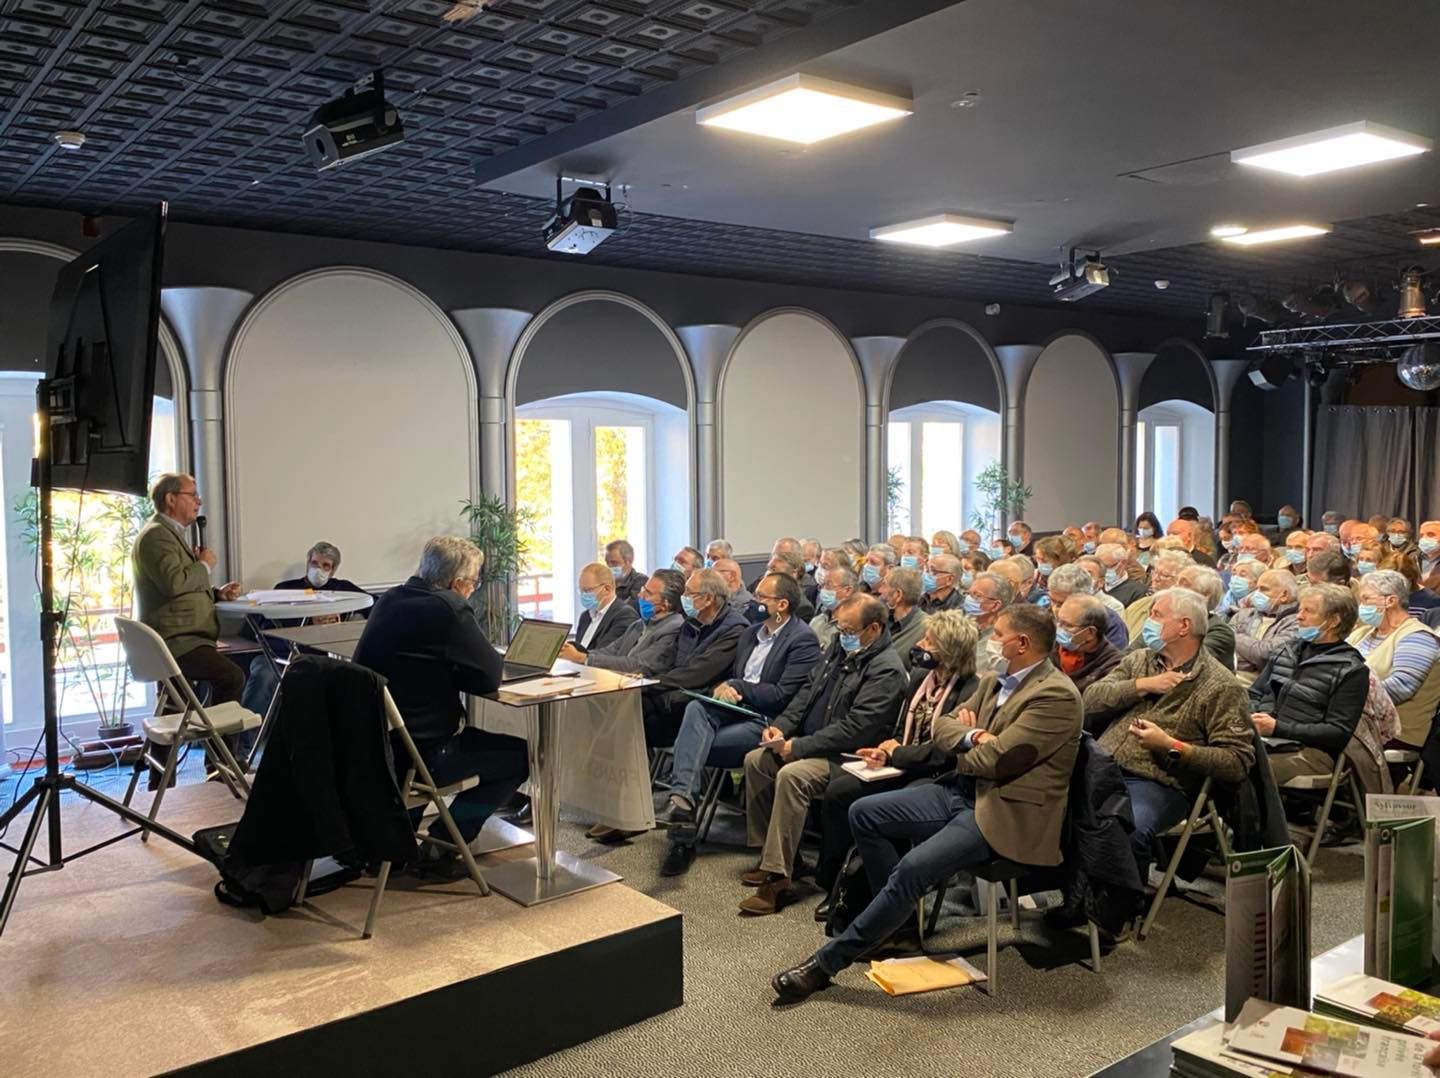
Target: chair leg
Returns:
[135, 774]
[301, 890]
[940, 893]
[992, 936]
[165, 777]
[461, 846]
[380, 882]
[1171, 869]
[1015, 904]
[709, 805]
[1323, 819]
[1357, 795]
[1416, 776]
[1094, 946]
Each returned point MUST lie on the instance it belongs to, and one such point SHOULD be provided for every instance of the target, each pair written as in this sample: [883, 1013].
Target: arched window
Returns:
[935, 451]
[591, 468]
[1174, 458]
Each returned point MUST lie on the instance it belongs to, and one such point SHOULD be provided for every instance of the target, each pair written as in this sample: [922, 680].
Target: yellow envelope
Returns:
[905, 976]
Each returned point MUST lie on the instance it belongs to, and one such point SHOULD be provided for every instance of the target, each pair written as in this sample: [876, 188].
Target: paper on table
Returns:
[1292, 1036]
[865, 773]
[905, 976]
[1383, 1002]
[293, 595]
[546, 686]
[1207, 1046]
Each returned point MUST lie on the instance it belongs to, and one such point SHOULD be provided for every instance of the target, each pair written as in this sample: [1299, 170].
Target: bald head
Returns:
[729, 568]
[1184, 530]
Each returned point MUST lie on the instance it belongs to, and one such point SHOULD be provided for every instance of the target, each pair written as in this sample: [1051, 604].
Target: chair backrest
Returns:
[1431, 617]
[146, 652]
[392, 713]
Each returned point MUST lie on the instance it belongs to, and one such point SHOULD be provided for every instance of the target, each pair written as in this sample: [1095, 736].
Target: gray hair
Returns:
[816, 543]
[1174, 561]
[448, 558]
[1004, 590]
[1389, 582]
[723, 545]
[945, 563]
[622, 549]
[1185, 603]
[907, 583]
[1285, 578]
[841, 575]
[794, 563]
[886, 552]
[1093, 614]
[709, 582]
[1336, 600]
[1027, 567]
[672, 586]
[1112, 550]
[325, 550]
[1204, 582]
[1073, 579]
[166, 485]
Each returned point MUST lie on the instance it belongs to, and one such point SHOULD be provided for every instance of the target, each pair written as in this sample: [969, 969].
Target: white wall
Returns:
[350, 417]
[1072, 439]
[1197, 451]
[792, 435]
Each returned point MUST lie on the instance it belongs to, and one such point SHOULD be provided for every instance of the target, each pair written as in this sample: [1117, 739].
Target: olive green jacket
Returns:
[172, 589]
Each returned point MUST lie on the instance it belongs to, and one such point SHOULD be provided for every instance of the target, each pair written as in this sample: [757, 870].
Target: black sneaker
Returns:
[676, 814]
[677, 860]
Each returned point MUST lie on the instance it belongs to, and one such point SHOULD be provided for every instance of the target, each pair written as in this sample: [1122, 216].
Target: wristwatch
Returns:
[1174, 753]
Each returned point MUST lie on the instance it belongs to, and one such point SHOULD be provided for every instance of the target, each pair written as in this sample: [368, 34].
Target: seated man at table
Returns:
[620, 557]
[604, 616]
[321, 563]
[648, 646]
[850, 702]
[1015, 742]
[423, 638]
[773, 661]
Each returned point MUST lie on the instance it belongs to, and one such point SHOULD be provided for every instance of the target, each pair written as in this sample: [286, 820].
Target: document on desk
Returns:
[1294, 1037]
[865, 773]
[1373, 1002]
[539, 687]
[292, 595]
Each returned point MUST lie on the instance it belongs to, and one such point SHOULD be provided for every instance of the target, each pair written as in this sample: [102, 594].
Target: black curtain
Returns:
[1427, 464]
[1367, 461]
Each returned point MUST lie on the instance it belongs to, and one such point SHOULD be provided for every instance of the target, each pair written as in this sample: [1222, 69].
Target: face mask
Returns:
[1308, 633]
[1285, 522]
[1333, 529]
[966, 579]
[678, 567]
[1233, 543]
[827, 599]
[1112, 577]
[1151, 634]
[810, 567]
[1239, 587]
[709, 564]
[996, 654]
[1017, 542]
[1043, 602]
[1089, 546]
[1371, 614]
[972, 606]
[589, 600]
[1364, 568]
[647, 608]
[1295, 556]
[929, 583]
[1350, 549]
[1046, 569]
[1065, 638]
[910, 561]
[1144, 560]
[936, 551]
[850, 642]
[922, 659]
[1397, 539]
[1145, 531]
[688, 605]
[995, 552]
[870, 574]
[762, 611]
[819, 575]
[1260, 601]
[1429, 546]
[965, 546]
[318, 577]
[1243, 558]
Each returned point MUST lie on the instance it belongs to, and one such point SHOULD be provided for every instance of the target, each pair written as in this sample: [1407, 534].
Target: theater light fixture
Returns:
[1225, 232]
[804, 109]
[1429, 238]
[942, 230]
[1276, 235]
[1361, 143]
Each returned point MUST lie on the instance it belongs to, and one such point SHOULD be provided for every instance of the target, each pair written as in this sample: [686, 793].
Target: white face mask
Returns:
[996, 654]
[318, 577]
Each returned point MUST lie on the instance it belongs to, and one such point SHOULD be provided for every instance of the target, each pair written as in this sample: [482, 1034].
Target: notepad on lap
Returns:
[865, 773]
[906, 976]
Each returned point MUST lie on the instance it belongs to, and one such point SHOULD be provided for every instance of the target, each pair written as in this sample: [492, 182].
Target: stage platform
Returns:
[124, 963]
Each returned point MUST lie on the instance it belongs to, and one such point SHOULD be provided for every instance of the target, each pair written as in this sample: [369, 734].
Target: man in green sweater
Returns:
[1171, 709]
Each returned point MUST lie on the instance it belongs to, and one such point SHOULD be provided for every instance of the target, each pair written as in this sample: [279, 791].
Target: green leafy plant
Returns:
[894, 487]
[999, 496]
[499, 532]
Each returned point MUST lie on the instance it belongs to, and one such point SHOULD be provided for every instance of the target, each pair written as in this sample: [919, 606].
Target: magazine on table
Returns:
[1405, 807]
[1203, 1054]
[1296, 1038]
[1267, 929]
[1400, 899]
[1361, 998]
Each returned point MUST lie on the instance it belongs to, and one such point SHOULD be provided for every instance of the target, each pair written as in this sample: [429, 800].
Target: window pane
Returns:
[1143, 501]
[543, 486]
[942, 463]
[620, 488]
[897, 481]
[1167, 472]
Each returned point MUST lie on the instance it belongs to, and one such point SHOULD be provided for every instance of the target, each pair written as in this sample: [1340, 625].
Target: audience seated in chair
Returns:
[620, 557]
[1219, 637]
[687, 560]
[1083, 652]
[604, 617]
[1071, 580]
[789, 563]
[716, 550]
[900, 592]
[987, 597]
[1265, 622]
[647, 647]
[1119, 585]
[840, 583]
[740, 598]
[1016, 741]
[1403, 652]
[941, 582]
[849, 703]
[878, 561]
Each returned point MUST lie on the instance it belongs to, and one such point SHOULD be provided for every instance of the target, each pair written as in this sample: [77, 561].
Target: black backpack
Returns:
[852, 893]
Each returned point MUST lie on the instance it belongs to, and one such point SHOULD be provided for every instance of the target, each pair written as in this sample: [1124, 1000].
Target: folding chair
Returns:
[1202, 813]
[1342, 775]
[419, 790]
[180, 719]
[1407, 758]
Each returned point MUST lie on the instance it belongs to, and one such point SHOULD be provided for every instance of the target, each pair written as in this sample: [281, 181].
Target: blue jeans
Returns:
[940, 819]
[499, 762]
[1157, 807]
[709, 737]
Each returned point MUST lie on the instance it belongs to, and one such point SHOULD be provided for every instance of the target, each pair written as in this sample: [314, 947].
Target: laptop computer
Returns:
[533, 650]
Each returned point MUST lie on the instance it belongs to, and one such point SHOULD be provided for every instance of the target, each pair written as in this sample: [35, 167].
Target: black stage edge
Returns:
[489, 1023]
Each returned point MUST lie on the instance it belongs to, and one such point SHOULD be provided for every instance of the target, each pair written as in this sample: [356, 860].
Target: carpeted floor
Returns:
[1053, 1016]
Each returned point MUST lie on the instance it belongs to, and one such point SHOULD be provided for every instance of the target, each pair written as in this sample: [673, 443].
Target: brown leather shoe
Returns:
[598, 830]
[771, 897]
[754, 877]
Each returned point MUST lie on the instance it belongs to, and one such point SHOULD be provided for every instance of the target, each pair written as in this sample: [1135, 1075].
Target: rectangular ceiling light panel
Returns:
[1277, 235]
[942, 230]
[804, 109]
[1336, 148]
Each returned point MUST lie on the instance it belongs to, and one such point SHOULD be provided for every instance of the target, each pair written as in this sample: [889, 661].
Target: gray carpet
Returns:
[1053, 1016]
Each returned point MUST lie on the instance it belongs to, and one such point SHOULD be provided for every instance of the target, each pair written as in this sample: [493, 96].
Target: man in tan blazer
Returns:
[1016, 739]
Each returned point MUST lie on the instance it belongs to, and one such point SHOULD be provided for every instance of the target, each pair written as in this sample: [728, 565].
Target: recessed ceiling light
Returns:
[1224, 232]
[1430, 238]
[804, 109]
[942, 230]
[69, 141]
[1277, 235]
[1361, 143]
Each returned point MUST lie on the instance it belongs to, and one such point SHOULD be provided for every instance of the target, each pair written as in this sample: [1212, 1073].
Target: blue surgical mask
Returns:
[709, 563]
[1350, 549]
[1260, 601]
[972, 606]
[1397, 539]
[1308, 633]
[965, 546]
[966, 579]
[1112, 577]
[850, 642]
[810, 567]
[1239, 586]
[1065, 638]
[589, 600]
[1285, 522]
[1365, 568]
[1043, 601]
[870, 574]
[677, 566]
[1089, 546]
[1145, 531]
[647, 608]
[1371, 614]
[995, 552]
[1151, 634]
[1233, 542]
[1243, 558]
[909, 561]
[617, 571]
[688, 605]
[928, 582]
[936, 551]
[828, 599]
[1295, 556]
[1429, 546]
[1046, 569]
[1333, 529]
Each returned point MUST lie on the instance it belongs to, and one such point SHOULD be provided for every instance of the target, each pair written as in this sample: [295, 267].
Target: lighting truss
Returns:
[1356, 342]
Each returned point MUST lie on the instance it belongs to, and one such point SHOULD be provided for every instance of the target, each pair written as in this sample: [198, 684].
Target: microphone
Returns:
[200, 527]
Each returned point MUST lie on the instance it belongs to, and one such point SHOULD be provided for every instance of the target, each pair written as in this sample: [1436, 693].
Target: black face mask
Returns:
[922, 660]
[762, 611]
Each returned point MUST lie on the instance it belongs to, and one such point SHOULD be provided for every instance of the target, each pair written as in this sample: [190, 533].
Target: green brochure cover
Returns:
[1267, 929]
[1412, 868]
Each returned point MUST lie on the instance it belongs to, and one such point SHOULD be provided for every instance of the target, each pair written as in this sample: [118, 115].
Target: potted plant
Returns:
[1000, 496]
[895, 516]
[497, 530]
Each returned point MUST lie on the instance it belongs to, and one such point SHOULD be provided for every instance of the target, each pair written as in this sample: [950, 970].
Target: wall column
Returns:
[1018, 362]
[491, 334]
[204, 321]
[1228, 373]
[878, 356]
[1132, 367]
[708, 348]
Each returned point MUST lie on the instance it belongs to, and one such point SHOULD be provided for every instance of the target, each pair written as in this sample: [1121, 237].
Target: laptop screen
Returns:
[537, 643]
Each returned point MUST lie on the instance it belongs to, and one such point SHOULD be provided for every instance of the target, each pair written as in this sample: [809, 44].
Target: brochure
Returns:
[1267, 929]
[706, 698]
[1405, 807]
[865, 773]
[1292, 1037]
[1203, 1054]
[1374, 1002]
[1400, 899]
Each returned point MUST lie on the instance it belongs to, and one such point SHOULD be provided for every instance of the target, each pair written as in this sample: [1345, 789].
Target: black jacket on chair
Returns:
[325, 786]
[613, 623]
[1101, 877]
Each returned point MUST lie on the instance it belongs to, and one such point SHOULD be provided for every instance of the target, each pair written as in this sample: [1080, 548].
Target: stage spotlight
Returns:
[1412, 293]
[1215, 316]
[355, 126]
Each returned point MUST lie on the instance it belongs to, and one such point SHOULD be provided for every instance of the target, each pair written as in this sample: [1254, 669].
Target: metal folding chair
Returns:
[1342, 775]
[1411, 759]
[180, 718]
[1203, 815]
